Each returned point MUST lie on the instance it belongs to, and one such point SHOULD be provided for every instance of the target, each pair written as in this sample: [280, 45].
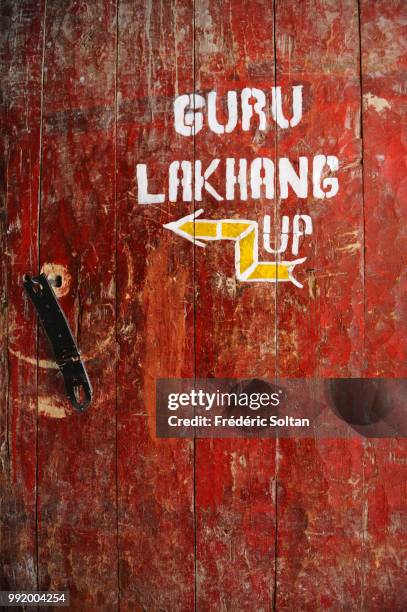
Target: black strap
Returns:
[66, 351]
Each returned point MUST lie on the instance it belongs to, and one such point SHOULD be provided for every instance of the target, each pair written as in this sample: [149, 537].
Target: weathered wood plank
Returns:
[21, 59]
[383, 26]
[76, 452]
[320, 327]
[155, 317]
[235, 323]
[383, 31]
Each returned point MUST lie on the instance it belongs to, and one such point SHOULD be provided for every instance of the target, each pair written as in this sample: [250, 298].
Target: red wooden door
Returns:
[95, 503]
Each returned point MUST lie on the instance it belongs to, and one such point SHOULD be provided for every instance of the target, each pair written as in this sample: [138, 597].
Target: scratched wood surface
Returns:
[21, 61]
[76, 531]
[155, 311]
[320, 329]
[95, 503]
[235, 511]
[383, 44]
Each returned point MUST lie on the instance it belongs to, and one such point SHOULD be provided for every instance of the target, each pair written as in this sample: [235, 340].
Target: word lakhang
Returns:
[256, 181]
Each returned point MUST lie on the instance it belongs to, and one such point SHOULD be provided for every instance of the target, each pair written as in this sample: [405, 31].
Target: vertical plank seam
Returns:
[40, 195]
[7, 281]
[7, 470]
[364, 450]
[276, 446]
[362, 171]
[195, 578]
[116, 302]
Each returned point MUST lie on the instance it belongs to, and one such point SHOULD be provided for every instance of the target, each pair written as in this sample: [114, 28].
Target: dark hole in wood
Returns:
[359, 401]
[55, 281]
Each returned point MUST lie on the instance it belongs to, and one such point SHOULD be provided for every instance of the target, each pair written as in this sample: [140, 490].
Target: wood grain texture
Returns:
[155, 318]
[77, 519]
[21, 75]
[383, 36]
[235, 325]
[383, 29]
[318, 47]
[320, 328]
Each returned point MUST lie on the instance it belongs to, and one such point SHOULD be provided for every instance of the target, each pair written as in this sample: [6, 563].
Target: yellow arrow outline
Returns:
[247, 265]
